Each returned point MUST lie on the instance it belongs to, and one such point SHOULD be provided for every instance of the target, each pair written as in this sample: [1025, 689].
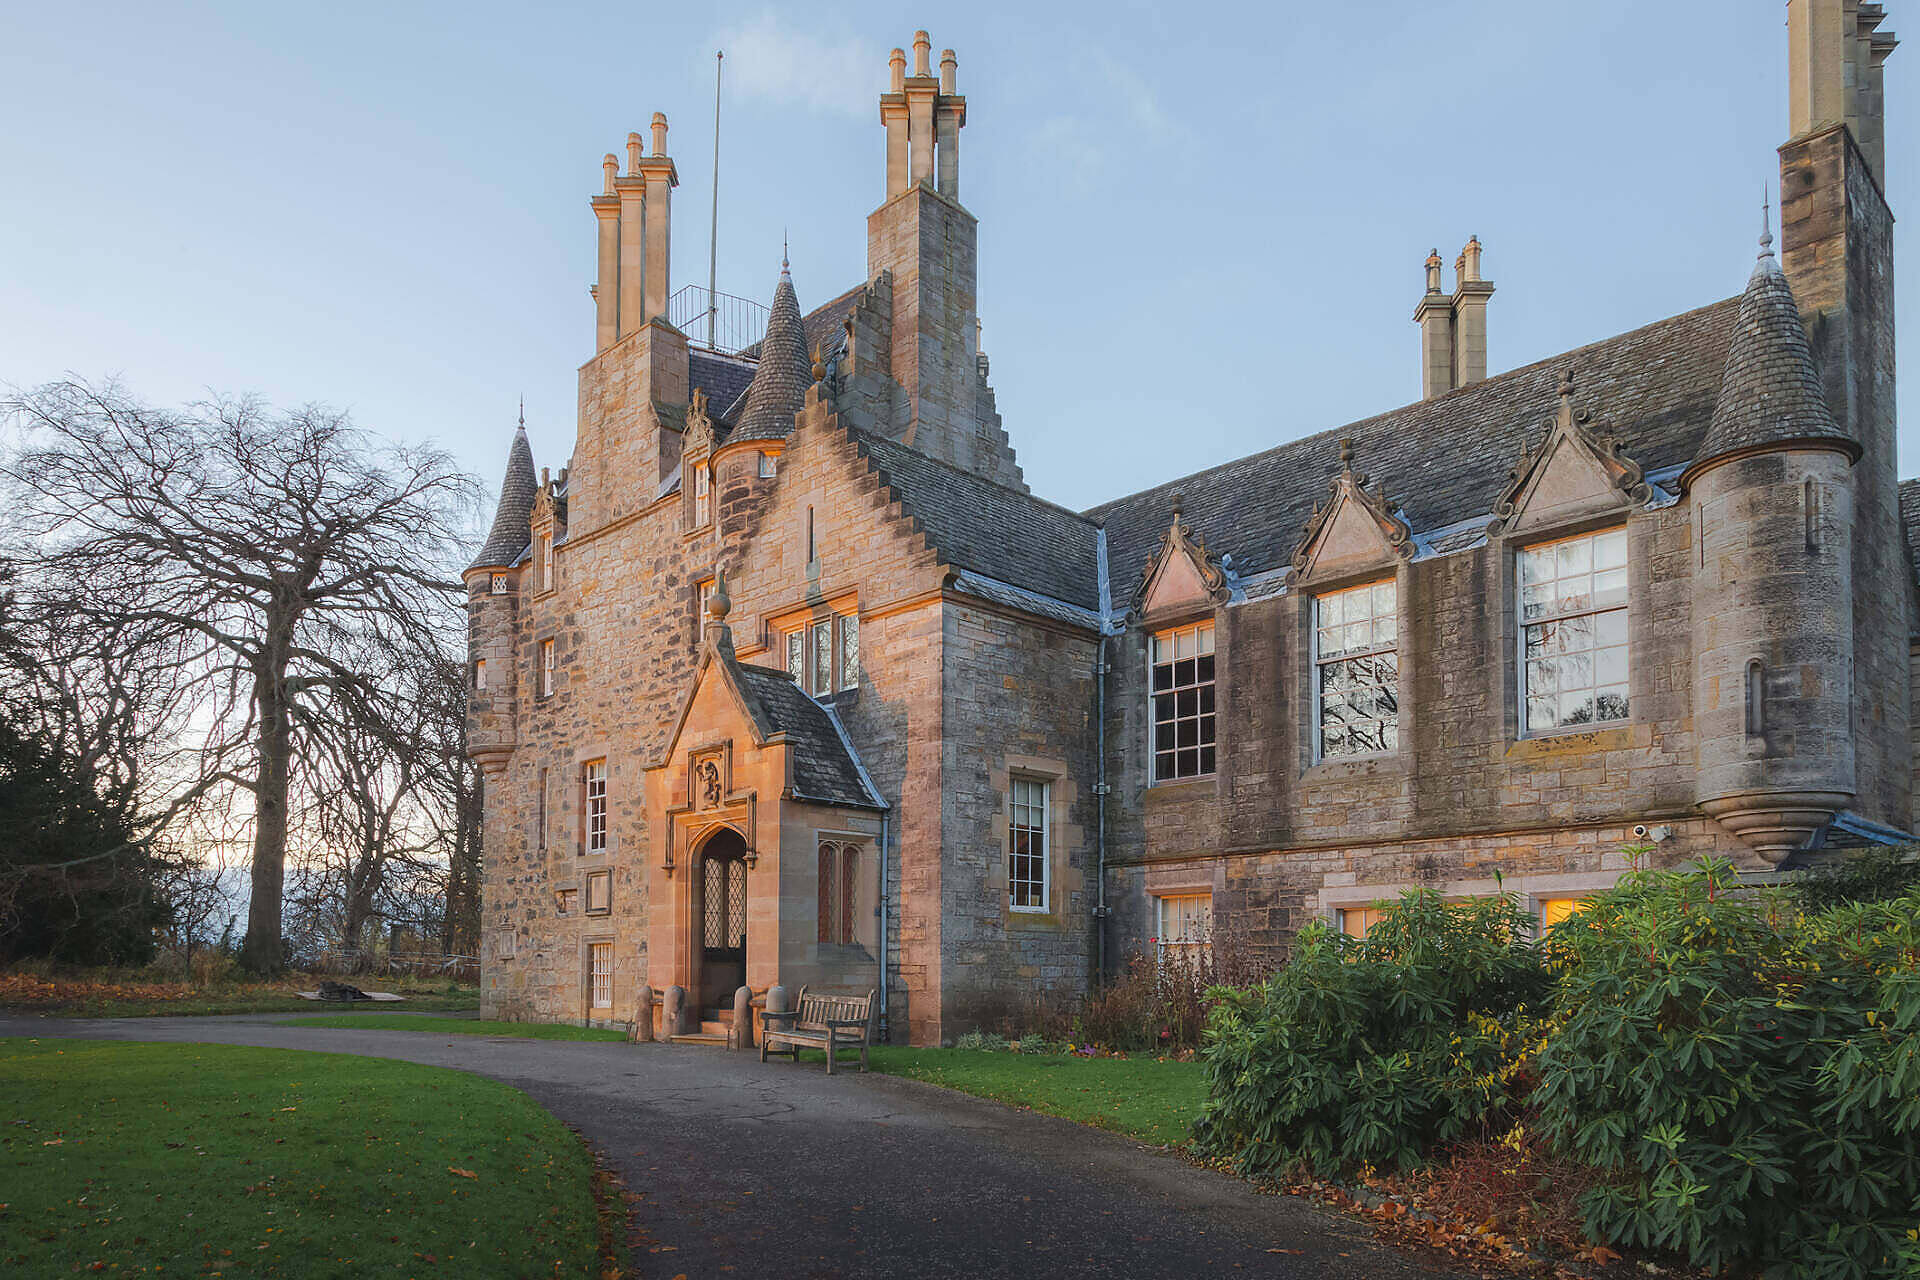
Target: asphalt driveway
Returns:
[745, 1169]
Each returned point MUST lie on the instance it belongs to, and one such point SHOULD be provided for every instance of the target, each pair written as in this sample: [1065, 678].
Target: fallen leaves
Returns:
[462, 1173]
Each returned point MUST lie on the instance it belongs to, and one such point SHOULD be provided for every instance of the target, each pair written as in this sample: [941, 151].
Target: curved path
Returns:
[740, 1168]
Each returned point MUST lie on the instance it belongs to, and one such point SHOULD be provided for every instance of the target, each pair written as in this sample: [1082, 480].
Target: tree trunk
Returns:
[264, 951]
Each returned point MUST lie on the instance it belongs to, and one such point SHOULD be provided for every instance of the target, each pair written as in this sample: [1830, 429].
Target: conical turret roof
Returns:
[1770, 393]
[780, 383]
[511, 519]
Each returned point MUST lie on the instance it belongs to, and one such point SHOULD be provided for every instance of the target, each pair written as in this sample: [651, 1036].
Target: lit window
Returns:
[766, 466]
[1355, 921]
[480, 675]
[594, 776]
[1573, 607]
[1554, 910]
[1183, 725]
[1027, 845]
[498, 584]
[599, 893]
[546, 562]
[546, 668]
[1185, 927]
[600, 974]
[1356, 671]
[702, 495]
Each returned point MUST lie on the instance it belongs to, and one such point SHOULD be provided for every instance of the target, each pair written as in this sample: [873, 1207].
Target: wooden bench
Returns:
[819, 1022]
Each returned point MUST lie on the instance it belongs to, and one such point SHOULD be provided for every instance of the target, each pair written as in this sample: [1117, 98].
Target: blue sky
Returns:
[1201, 226]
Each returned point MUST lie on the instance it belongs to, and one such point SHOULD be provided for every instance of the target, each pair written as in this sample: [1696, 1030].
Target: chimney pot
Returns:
[659, 133]
[947, 64]
[897, 67]
[922, 50]
[610, 168]
[633, 154]
[1433, 271]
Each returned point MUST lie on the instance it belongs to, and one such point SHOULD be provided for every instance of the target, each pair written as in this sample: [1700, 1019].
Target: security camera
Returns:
[1655, 834]
[1639, 833]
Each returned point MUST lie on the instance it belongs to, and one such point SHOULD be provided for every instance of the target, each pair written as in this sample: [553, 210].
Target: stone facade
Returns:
[768, 663]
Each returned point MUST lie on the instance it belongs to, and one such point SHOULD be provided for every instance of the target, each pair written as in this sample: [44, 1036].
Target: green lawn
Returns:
[456, 1026]
[1147, 1098]
[223, 1160]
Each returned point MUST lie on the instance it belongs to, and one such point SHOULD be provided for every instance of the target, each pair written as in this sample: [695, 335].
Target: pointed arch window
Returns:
[839, 893]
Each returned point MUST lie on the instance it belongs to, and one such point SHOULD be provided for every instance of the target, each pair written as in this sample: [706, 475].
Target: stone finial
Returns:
[819, 370]
[610, 169]
[1179, 503]
[1433, 271]
[922, 52]
[948, 63]
[544, 479]
[897, 71]
[1346, 453]
[719, 604]
[659, 133]
[1565, 389]
[634, 149]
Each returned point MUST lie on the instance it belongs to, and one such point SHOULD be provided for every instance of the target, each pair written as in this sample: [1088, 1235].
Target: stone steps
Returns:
[718, 1039]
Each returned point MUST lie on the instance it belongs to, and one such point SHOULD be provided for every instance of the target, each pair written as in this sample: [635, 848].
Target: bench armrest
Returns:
[768, 1015]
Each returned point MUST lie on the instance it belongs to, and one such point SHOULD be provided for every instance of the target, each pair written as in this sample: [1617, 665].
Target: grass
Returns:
[1153, 1099]
[456, 1026]
[111, 994]
[223, 1160]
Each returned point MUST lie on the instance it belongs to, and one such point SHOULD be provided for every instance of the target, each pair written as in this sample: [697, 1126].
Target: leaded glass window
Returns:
[1356, 671]
[714, 890]
[1573, 611]
[736, 931]
[1183, 707]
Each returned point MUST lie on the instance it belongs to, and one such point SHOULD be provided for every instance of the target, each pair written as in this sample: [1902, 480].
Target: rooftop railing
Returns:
[717, 321]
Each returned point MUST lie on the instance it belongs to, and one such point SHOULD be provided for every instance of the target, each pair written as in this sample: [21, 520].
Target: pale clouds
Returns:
[771, 59]
[1123, 114]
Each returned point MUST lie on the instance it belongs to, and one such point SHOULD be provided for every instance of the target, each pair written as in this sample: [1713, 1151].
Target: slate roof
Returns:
[780, 382]
[824, 768]
[723, 377]
[997, 532]
[823, 327]
[511, 518]
[1770, 393]
[1444, 459]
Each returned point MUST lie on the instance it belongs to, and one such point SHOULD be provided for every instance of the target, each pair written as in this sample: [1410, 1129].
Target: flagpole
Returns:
[713, 234]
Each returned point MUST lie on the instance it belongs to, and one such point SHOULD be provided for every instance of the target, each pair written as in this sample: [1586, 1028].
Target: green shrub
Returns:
[1879, 873]
[1748, 1081]
[1376, 1051]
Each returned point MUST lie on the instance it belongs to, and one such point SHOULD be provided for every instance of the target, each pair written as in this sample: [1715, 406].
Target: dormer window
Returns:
[1183, 710]
[1573, 644]
[1356, 672]
[702, 496]
[823, 654]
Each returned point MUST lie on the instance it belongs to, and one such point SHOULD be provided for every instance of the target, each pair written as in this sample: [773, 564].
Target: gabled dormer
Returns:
[1352, 531]
[1182, 577]
[1577, 472]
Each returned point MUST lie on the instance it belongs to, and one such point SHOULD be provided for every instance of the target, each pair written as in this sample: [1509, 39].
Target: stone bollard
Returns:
[643, 1016]
[673, 1017]
[742, 1033]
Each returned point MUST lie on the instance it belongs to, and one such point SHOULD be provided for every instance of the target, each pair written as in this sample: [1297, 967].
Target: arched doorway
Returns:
[721, 918]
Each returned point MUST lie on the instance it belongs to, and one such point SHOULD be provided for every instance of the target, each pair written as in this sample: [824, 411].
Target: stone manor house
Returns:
[787, 677]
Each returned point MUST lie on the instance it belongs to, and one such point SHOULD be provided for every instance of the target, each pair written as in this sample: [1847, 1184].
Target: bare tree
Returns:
[269, 546]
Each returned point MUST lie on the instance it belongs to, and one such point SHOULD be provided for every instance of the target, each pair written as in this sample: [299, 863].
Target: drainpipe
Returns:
[881, 908]
[1100, 797]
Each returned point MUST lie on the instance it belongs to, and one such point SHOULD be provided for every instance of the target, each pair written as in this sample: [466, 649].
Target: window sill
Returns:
[1611, 736]
[1366, 766]
[1175, 784]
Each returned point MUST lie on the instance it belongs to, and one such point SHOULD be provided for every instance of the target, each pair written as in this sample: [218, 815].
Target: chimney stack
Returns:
[923, 116]
[1453, 330]
[1835, 74]
[661, 178]
[634, 212]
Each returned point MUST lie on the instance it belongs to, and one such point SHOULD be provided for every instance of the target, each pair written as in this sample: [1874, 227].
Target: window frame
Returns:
[549, 666]
[479, 675]
[1522, 719]
[702, 495]
[702, 592]
[1315, 661]
[842, 629]
[496, 584]
[1153, 719]
[1188, 946]
[1045, 832]
[603, 882]
[588, 812]
[597, 952]
[543, 547]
